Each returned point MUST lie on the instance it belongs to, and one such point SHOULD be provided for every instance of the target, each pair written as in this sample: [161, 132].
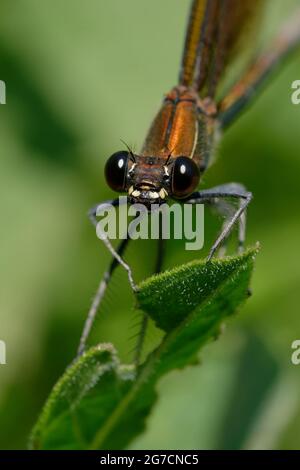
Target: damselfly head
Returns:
[144, 178]
[150, 180]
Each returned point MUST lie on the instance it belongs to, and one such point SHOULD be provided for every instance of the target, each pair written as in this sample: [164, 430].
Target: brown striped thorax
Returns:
[175, 153]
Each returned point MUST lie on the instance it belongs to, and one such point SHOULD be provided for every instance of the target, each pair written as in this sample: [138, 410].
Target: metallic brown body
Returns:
[184, 126]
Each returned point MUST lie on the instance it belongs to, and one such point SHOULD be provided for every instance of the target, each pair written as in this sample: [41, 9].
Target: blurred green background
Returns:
[80, 76]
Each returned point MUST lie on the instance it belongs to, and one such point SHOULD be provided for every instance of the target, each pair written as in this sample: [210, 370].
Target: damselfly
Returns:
[181, 140]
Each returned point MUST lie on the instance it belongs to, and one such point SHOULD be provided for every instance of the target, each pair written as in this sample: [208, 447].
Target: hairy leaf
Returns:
[100, 404]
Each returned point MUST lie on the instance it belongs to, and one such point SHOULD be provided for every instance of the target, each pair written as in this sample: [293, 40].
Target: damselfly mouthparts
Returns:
[181, 140]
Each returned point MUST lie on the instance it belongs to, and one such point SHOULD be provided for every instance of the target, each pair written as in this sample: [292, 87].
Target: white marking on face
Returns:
[132, 169]
[130, 190]
[163, 193]
[136, 193]
[153, 195]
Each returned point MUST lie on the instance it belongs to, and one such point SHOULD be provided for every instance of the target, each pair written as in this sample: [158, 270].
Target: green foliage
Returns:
[99, 403]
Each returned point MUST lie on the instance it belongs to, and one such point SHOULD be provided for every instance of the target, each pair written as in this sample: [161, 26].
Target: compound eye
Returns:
[116, 170]
[185, 177]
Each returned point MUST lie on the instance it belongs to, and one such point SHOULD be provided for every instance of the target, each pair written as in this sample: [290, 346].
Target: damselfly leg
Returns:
[116, 261]
[226, 210]
[230, 190]
[99, 296]
[92, 216]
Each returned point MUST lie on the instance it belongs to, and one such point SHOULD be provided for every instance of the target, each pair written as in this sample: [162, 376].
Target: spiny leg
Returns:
[92, 216]
[231, 190]
[98, 297]
[227, 210]
[145, 319]
[104, 281]
[245, 90]
[242, 229]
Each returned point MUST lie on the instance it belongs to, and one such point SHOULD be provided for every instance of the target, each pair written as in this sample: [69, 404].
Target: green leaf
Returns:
[82, 399]
[99, 404]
